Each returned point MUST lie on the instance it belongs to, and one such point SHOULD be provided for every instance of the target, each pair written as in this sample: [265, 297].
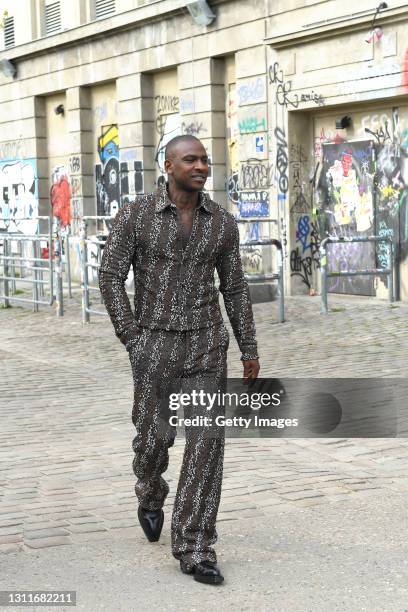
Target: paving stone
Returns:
[34, 534]
[5, 531]
[80, 471]
[46, 542]
[10, 548]
[301, 495]
[86, 528]
[7, 539]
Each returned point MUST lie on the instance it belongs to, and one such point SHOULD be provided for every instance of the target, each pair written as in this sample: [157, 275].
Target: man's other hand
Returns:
[251, 369]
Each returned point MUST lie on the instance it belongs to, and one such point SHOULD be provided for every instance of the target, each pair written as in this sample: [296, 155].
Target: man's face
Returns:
[188, 165]
[346, 162]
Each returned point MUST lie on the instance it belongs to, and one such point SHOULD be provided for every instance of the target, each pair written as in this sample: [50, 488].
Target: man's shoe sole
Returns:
[186, 569]
[208, 579]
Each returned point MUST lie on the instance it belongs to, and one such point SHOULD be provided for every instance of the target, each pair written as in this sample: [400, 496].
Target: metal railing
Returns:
[87, 287]
[57, 242]
[9, 261]
[268, 276]
[389, 271]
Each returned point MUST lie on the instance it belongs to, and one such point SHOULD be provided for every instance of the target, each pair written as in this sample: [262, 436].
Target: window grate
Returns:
[52, 18]
[103, 8]
[9, 40]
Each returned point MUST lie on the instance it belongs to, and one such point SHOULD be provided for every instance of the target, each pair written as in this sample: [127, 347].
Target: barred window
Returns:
[104, 8]
[9, 39]
[52, 18]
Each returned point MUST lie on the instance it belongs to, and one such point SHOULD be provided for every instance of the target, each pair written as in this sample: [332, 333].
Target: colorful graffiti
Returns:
[392, 198]
[251, 91]
[60, 195]
[117, 180]
[107, 172]
[346, 190]
[19, 196]
[253, 203]
[404, 71]
[305, 257]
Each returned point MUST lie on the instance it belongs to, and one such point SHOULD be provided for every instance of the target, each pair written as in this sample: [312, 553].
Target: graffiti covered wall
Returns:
[118, 177]
[18, 195]
[362, 190]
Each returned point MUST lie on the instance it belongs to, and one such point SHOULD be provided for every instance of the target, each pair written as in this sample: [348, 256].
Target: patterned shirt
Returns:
[174, 287]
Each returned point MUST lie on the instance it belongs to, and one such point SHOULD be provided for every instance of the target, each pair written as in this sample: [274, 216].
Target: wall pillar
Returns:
[135, 125]
[202, 111]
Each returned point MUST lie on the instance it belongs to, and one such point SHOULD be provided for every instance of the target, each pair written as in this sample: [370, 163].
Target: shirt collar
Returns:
[163, 201]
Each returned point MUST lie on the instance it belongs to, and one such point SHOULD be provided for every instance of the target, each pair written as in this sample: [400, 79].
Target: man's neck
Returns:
[184, 200]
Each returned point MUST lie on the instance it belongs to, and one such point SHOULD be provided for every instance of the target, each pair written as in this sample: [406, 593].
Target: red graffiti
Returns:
[61, 201]
[346, 161]
[405, 71]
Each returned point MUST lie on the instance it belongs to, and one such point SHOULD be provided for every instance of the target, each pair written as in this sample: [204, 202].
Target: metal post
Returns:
[323, 275]
[6, 272]
[281, 288]
[58, 269]
[68, 264]
[13, 270]
[36, 276]
[84, 267]
[391, 268]
[20, 252]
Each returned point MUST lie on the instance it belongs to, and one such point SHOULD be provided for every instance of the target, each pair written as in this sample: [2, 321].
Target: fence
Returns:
[87, 287]
[376, 271]
[279, 276]
[34, 264]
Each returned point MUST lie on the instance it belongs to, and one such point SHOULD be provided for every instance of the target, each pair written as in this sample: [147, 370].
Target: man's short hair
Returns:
[171, 145]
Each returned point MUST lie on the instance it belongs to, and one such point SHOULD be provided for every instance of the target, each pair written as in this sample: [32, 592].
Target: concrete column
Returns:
[136, 124]
[38, 151]
[83, 201]
[202, 111]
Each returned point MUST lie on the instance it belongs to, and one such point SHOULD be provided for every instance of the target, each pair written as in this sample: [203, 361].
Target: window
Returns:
[104, 8]
[52, 18]
[9, 40]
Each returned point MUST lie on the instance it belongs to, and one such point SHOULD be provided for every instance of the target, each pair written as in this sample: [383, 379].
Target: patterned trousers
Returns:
[165, 362]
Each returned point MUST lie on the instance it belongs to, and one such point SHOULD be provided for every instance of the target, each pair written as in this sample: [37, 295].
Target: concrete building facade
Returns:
[302, 107]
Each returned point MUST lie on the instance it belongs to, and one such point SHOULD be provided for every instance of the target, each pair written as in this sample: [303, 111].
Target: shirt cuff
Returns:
[249, 355]
[129, 334]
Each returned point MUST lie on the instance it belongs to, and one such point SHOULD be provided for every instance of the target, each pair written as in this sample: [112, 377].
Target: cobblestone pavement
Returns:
[65, 440]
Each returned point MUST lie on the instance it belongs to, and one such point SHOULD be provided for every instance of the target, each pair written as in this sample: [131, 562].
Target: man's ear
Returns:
[167, 165]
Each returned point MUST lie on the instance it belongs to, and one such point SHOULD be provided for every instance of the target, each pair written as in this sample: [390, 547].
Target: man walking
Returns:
[175, 238]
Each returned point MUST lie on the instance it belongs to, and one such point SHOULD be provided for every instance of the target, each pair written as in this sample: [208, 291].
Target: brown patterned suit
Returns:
[176, 338]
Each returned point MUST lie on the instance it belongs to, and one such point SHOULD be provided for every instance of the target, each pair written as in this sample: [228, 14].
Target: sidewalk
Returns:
[304, 524]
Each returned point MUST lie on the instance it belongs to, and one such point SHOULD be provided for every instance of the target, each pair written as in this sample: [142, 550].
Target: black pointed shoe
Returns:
[151, 522]
[206, 571]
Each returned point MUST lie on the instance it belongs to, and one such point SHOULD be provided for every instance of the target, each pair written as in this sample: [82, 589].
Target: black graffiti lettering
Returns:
[300, 205]
[282, 159]
[315, 245]
[193, 129]
[301, 266]
[313, 97]
[284, 88]
[75, 163]
[161, 124]
[275, 74]
[282, 95]
[297, 154]
[233, 188]
[167, 104]
[381, 135]
[256, 174]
